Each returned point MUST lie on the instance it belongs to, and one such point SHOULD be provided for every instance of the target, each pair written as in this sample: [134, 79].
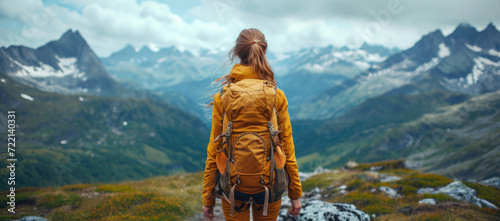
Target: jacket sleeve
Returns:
[295, 187]
[210, 165]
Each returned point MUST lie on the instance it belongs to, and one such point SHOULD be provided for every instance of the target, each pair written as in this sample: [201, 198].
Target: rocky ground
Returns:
[378, 191]
[389, 191]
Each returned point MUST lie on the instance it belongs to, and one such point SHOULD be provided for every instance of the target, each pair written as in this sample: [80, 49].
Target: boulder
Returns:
[33, 218]
[319, 170]
[388, 178]
[428, 201]
[350, 165]
[426, 190]
[343, 187]
[389, 191]
[286, 202]
[376, 168]
[318, 210]
[494, 182]
[461, 192]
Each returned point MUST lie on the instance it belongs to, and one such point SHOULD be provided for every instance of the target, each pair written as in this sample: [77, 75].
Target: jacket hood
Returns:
[240, 72]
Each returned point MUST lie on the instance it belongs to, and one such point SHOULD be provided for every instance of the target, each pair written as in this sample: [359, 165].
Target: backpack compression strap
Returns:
[227, 139]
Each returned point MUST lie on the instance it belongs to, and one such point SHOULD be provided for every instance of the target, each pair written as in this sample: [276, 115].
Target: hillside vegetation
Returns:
[452, 134]
[65, 139]
[178, 197]
[174, 197]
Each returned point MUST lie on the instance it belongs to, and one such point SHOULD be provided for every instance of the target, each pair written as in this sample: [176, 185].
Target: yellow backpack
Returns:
[255, 171]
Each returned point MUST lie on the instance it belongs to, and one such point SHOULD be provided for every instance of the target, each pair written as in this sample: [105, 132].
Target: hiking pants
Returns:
[272, 212]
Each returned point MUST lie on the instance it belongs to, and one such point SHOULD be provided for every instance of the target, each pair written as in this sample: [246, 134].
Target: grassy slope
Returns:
[157, 140]
[359, 192]
[346, 133]
[178, 197]
[392, 127]
[160, 198]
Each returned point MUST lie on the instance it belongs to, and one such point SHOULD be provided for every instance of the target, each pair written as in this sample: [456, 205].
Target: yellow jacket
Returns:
[240, 72]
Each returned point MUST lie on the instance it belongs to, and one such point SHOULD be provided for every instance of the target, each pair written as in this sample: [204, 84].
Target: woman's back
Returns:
[251, 156]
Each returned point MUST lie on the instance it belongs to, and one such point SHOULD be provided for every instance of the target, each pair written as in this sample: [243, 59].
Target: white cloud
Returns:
[214, 24]
[108, 26]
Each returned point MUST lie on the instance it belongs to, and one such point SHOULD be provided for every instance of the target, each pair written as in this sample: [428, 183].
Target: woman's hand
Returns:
[296, 206]
[209, 212]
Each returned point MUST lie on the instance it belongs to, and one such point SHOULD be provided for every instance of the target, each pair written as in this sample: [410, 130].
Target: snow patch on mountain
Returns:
[494, 53]
[428, 65]
[477, 72]
[27, 97]
[443, 51]
[3, 80]
[362, 64]
[403, 64]
[67, 66]
[314, 67]
[473, 48]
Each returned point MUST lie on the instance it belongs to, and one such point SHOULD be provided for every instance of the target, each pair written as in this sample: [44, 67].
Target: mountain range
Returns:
[180, 77]
[67, 66]
[139, 113]
[65, 139]
[75, 123]
[466, 61]
[435, 104]
[300, 74]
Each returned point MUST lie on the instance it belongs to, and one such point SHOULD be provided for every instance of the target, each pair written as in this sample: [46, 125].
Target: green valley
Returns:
[65, 139]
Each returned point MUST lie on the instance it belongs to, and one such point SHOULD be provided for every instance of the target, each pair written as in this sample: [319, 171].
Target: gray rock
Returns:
[343, 187]
[304, 175]
[428, 201]
[377, 168]
[318, 211]
[286, 202]
[387, 178]
[459, 191]
[389, 191]
[488, 204]
[426, 190]
[350, 164]
[33, 218]
[316, 197]
[494, 182]
[319, 170]
[316, 190]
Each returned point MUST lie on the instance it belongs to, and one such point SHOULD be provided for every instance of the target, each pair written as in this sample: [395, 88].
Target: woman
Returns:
[250, 49]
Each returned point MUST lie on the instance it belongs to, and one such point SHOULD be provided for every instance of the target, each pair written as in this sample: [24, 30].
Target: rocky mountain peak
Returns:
[125, 53]
[145, 51]
[489, 38]
[72, 37]
[490, 28]
[71, 44]
[464, 32]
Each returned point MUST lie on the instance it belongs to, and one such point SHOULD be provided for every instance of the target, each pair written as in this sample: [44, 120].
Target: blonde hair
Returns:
[250, 48]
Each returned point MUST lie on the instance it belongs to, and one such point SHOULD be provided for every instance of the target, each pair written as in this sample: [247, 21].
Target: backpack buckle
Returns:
[237, 180]
[227, 133]
[271, 129]
[262, 182]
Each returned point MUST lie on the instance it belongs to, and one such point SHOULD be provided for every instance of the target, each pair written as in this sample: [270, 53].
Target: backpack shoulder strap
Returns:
[274, 114]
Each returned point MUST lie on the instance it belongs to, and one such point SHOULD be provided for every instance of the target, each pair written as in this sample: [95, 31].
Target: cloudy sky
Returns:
[214, 24]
